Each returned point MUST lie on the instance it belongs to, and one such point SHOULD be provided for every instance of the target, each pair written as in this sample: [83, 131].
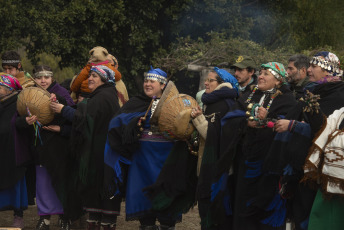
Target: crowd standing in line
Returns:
[265, 149]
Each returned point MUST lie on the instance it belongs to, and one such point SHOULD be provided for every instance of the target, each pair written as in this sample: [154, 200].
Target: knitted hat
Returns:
[277, 69]
[9, 81]
[156, 75]
[104, 72]
[244, 62]
[227, 77]
[328, 61]
[98, 54]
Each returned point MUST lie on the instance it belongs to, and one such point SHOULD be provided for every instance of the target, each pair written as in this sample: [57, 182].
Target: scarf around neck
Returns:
[223, 91]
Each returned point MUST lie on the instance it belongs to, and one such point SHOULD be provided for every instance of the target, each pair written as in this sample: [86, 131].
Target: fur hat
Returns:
[110, 57]
[98, 54]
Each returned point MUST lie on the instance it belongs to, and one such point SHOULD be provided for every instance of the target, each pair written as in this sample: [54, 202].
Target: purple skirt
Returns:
[46, 198]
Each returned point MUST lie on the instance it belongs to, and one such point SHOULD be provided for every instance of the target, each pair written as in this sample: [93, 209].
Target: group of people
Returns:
[265, 150]
[277, 154]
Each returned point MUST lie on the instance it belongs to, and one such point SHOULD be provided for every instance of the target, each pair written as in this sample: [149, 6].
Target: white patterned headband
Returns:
[43, 73]
[10, 61]
[156, 77]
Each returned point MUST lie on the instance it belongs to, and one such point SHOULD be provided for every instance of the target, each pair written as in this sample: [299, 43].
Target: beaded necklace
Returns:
[273, 96]
[154, 105]
[251, 95]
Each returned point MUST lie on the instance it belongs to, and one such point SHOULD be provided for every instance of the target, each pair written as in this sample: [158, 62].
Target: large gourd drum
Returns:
[175, 117]
[38, 102]
[170, 92]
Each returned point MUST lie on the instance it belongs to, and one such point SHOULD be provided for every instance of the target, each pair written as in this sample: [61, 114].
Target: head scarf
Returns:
[277, 69]
[156, 75]
[227, 77]
[9, 81]
[105, 73]
[328, 61]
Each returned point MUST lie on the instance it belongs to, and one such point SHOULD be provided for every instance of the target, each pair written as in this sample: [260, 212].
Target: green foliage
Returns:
[48, 59]
[219, 50]
[305, 24]
[169, 34]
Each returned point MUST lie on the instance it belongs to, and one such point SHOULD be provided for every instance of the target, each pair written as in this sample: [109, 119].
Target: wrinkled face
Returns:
[316, 73]
[266, 80]
[153, 88]
[211, 82]
[293, 73]
[10, 70]
[94, 81]
[243, 76]
[44, 81]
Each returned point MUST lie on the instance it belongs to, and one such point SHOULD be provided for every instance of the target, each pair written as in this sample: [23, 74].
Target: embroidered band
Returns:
[276, 75]
[10, 61]
[43, 73]
[156, 77]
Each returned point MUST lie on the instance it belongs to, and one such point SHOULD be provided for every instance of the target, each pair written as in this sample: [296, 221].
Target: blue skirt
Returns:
[15, 197]
[145, 168]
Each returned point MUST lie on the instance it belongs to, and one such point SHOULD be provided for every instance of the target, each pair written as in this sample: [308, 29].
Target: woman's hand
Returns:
[196, 111]
[56, 107]
[80, 98]
[52, 128]
[262, 113]
[252, 124]
[31, 120]
[281, 125]
[53, 97]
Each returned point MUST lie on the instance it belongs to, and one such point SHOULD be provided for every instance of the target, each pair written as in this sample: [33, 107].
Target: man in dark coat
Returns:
[297, 73]
[245, 69]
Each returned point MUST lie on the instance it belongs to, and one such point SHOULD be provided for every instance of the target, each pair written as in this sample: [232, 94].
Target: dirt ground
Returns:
[191, 220]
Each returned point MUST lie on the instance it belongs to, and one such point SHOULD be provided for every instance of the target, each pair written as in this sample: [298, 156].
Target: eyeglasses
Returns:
[210, 80]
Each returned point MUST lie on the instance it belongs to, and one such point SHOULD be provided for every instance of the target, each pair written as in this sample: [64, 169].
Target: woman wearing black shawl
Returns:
[255, 202]
[220, 95]
[50, 153]
[13, 195]
[88, 137]
[50, 150]
[135, 154]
